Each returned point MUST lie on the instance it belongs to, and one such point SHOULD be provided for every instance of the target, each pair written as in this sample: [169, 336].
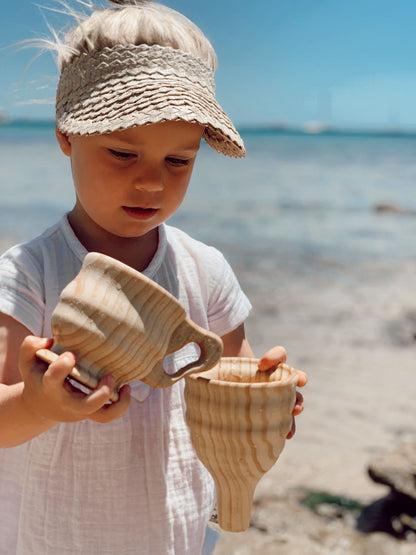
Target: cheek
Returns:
[86, 165]
[177, 191]
[89, 179]
[80, 173]
[182, 182]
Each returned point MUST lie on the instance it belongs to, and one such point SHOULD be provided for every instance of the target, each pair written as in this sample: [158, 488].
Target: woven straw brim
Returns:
[104, 95]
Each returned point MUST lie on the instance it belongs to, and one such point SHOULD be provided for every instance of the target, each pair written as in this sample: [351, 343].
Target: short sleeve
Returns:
[21, 289]
[228, 306]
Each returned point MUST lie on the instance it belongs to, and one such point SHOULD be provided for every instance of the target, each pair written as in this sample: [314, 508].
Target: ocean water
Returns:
[300, 200]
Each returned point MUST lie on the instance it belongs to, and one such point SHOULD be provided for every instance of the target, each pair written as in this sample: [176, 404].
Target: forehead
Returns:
[175, 132]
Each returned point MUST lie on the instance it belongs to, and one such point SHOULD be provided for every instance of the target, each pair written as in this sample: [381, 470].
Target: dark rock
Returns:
[386, 208]
[394, 514]
[397, 469]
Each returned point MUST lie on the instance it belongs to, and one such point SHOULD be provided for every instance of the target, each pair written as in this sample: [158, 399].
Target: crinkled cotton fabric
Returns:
[135, 485]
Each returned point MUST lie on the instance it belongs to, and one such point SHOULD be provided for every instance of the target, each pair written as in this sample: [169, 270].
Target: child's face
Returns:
[129, 182]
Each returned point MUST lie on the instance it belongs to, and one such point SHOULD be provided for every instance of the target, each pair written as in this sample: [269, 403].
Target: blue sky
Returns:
[343, 62]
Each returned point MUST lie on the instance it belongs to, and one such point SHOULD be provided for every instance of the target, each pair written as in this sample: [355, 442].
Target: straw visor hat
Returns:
[129, 85]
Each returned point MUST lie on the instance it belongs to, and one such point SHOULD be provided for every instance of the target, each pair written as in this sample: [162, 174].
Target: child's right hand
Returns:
[51, 397]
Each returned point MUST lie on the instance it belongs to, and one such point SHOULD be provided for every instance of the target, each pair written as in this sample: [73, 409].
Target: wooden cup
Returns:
[118, 321]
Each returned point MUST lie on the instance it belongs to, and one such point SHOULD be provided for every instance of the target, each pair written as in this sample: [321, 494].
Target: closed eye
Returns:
[177, 161]
[120, 155]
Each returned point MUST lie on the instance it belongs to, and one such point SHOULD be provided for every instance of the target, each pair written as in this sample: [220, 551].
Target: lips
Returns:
[140, 213]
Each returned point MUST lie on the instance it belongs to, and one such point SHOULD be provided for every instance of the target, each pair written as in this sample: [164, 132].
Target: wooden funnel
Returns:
[239, 418]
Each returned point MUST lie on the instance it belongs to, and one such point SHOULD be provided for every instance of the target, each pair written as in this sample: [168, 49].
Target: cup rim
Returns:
[289, 380]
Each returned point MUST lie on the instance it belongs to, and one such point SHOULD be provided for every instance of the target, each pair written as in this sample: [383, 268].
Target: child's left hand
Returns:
[269, 361]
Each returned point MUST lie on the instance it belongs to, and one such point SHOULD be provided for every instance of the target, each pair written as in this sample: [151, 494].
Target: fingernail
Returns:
[108, 380]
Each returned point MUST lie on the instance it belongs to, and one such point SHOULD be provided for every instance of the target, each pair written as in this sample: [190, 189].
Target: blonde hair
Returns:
[128, 22]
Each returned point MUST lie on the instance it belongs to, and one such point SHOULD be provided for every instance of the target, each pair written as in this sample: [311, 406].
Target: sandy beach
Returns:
[356, 338]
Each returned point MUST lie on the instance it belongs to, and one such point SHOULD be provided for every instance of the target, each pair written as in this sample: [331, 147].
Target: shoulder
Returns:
[52, 250]
[29, 256]
[208, 277]
[23, 268]
[23, 259]
[33, 274]
[193, 249]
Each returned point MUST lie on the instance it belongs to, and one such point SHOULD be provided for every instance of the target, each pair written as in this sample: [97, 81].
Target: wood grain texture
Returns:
[118, 321]
[239, 418]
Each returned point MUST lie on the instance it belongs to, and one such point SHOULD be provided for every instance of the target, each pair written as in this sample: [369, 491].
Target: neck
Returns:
[136, 252]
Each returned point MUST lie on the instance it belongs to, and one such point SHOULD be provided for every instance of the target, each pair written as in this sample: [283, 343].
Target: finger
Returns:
[100, 396]
[272, 358]
[302, 378]
[59, 369]
[292, 430]
[114, 410]
[298, 408]
[30, 345]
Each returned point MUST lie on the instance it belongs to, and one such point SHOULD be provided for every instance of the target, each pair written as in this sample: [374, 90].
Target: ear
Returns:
[64, 142]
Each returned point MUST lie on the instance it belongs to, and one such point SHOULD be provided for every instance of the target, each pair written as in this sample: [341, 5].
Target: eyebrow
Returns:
[194, 146]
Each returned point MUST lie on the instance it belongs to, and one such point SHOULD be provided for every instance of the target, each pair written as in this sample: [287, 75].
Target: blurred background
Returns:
[318, 222]
[285, 62]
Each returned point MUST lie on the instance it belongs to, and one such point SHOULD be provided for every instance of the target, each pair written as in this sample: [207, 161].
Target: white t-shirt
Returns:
[135, 485]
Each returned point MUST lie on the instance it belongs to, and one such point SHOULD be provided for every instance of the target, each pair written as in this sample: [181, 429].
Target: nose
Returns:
[148, 177]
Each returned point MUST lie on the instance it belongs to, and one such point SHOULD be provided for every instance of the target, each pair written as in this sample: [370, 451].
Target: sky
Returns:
[346, 63]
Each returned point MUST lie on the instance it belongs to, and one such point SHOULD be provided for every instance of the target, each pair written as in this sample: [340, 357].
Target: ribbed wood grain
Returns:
[117, 321]
[239, 418]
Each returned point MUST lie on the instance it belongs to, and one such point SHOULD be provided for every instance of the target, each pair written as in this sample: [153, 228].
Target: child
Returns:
[79, 475]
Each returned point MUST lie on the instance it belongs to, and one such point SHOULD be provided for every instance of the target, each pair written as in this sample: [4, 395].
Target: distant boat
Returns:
[314, 127]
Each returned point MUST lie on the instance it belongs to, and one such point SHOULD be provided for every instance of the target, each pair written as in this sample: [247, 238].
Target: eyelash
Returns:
[125, 156]
[120, 155]
[177, 161]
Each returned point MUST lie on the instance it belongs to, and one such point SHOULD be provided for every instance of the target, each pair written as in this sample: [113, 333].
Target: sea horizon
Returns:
[311, 128]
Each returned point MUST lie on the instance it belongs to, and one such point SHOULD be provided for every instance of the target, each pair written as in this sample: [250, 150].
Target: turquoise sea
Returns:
[296, 199]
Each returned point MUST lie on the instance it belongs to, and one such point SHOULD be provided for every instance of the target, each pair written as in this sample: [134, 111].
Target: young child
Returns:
[79, 475]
